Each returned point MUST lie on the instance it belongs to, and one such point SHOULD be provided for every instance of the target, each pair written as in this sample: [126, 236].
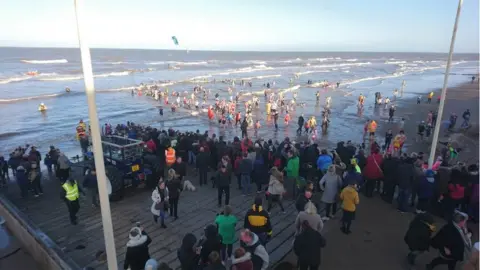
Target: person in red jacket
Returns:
[373, 172]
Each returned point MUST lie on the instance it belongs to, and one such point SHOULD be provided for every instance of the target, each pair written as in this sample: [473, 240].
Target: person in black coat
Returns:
[307, 246]
[174, 186]
[405, 176]
[418, 236]
[211, 242]
[189, 254]
[180, 168]
[202, 162]
[389, 167]
[451, 241]
[137, 249]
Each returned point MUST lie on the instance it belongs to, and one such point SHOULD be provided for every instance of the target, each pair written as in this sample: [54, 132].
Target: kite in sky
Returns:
[174, 38]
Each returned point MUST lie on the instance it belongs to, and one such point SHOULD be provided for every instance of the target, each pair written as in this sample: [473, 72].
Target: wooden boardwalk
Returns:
[196, 210]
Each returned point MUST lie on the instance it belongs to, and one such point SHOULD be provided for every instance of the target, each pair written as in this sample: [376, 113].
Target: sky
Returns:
[266, 25]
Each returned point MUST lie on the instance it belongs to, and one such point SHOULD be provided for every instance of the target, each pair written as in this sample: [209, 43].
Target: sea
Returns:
[30, 76]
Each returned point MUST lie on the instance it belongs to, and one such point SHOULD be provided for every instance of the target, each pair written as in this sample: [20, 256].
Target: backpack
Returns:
[257, 261]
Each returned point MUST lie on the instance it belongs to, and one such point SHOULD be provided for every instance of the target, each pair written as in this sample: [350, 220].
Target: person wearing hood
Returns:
[418, 236]
[22, 181]
[226, 223]
[310, 214]
[160, 199]
[251, 243]
[425, 192]
[242, 260]
[257, 220]
[189, 254]
[137, 249]
[211, 242]
[307, 246]
[275, 189]
[453, 242]
[350, 200]
[330, 183]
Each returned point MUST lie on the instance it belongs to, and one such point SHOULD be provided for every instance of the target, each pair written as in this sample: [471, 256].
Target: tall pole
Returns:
[431, 158]
[97, 142]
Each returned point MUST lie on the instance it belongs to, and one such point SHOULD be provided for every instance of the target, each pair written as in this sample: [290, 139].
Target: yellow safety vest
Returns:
[72, 191]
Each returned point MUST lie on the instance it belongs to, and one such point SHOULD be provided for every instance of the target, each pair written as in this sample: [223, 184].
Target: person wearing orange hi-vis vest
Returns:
[170, 156]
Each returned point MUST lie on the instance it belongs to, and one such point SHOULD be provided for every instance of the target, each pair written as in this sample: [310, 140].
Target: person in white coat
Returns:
[331, 184]
[160, 202]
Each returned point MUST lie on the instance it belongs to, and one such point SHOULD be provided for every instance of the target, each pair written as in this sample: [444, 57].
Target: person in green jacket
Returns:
[226, 223]
[293, 166]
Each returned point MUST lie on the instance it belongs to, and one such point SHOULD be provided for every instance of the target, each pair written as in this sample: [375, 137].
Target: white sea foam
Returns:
[395, 62]
[156, 63]
[352, 60]
[78, 77]
[199, 63]
[14, 79]
[55, 61]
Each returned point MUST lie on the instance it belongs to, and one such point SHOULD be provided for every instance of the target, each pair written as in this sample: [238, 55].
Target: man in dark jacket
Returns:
[245, 169]
[405, 175]
[137, 249]
[389, 167]
[307, 246]
[418, 236]
[90, 183]
[22, 181]
[174, 188]
[203, 160]
[180, 168]
[189, 254]
[451, 241]
[223, 185]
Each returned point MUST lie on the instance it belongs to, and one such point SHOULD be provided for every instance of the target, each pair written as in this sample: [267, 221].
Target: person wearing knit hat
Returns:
[137, 249]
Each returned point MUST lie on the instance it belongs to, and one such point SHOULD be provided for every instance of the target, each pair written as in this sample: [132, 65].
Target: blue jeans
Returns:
[402, 199]
[245, 179]
[192, 159]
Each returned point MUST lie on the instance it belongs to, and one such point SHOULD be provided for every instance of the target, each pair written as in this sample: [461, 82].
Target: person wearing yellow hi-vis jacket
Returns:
[70, 193]
[257, 220]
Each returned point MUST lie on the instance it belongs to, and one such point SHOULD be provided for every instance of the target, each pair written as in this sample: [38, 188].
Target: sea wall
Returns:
[44, 251]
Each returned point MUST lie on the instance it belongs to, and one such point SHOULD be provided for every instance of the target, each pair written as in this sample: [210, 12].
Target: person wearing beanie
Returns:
[257, 220]
[137, 249]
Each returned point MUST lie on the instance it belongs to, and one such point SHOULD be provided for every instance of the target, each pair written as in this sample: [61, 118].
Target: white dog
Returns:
[188, 186]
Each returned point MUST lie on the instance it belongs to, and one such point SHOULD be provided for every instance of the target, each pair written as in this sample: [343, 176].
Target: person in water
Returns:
[42, 107]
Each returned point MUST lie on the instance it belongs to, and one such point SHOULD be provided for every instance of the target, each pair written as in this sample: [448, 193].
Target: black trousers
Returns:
[73, 207]
[439, 261]
[226, 251]
[275, 199]
[369, 187]
[330, 208]
[220, 194]
[202, 173]
[173, 207]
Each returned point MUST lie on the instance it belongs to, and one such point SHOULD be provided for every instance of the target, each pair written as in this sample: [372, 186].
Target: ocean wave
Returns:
[321, 59]
[55, 61]
[198, 63]
[13, 100]
[118, 63]
[25, 77]
[352, 60]
[342, 65]
[261, 77]
[157, 63]
[395, 62]
[310, 72]
[242, 70]
[78, 77]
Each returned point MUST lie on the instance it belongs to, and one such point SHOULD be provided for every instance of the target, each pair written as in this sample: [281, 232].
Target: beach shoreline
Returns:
[459, 98]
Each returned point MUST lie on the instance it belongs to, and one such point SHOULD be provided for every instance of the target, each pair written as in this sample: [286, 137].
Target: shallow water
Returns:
[118, 71]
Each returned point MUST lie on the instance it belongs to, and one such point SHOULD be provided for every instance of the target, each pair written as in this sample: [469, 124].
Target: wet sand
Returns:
[458, 99]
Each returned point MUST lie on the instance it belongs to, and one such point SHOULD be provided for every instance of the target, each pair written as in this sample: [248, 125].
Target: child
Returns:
[350, 199]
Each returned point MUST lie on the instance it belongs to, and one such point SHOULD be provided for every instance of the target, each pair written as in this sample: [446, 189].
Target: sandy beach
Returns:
[458, 99]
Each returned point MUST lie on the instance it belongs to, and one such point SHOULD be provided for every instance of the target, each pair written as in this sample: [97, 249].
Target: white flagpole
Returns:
[97, 141]
[436, 132]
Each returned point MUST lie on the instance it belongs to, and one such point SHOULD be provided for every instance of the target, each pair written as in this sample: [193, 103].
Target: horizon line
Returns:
[268, 51]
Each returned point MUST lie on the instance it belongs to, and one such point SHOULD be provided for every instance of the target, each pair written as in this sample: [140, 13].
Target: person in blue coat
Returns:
[425, 191]
[323, 162]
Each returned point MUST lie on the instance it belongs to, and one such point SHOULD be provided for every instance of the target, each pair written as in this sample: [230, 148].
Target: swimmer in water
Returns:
[67, 90]
[328, 101]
